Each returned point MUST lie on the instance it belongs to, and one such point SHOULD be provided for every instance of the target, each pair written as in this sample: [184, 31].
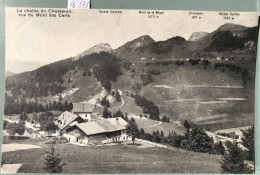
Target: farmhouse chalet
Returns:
[99, 131]
[78, 129]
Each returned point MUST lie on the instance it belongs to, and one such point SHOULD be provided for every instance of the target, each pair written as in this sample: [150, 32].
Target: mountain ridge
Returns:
[195, 36]
[211, 45]
[102, 47]
[133, 44]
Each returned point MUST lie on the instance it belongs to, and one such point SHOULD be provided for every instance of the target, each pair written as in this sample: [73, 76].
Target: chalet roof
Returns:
[67, 118]
[82, 107]
[103, 126]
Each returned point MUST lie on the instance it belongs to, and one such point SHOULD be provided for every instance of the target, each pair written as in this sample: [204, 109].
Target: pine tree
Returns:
[11, 128]
[50, 127]
[46, 107]
[117, 96]
[165, 119]
[106, 113]
[40, 108]
[52, 162]
[105, 102]
[23, 117]
[70, 106]
[54, 105]
[119, 114]
[20, 129]
[132, 129]
[162, 133]
[233, 161]
[221, 148]
[113, 93]
[59, 106]
[50, 106]
[186, 125]
[126, 117]
[60, 98]
[66, 106]
[248, 142]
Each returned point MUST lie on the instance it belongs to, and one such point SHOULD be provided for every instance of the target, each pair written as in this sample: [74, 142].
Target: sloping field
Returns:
[150, 126]
[207, 118]
[88, 87]
[229, 130]
[234, 120]
[128, 106]
[191, 92]
[117, 159]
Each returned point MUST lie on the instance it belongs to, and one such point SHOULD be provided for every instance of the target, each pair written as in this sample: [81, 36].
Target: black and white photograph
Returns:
[129, 91]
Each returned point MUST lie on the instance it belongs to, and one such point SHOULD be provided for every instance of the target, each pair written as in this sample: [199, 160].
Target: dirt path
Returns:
[180, 100]
[210, 86]
[154, 125]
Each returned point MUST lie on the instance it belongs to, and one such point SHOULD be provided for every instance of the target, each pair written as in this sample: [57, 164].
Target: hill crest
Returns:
[103, 47]
[195, 36]
[134, 44]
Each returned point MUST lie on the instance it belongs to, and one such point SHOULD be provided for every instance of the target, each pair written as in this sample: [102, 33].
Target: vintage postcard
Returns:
[129, 91]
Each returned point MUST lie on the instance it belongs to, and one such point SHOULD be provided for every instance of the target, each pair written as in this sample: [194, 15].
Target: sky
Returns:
[46, 39]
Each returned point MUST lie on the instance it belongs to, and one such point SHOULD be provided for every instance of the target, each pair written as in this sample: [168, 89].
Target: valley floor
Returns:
[139, 158]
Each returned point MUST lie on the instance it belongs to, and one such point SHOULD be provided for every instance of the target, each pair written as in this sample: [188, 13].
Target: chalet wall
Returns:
[86, 116]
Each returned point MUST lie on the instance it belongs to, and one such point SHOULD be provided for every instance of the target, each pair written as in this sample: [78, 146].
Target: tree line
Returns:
[148, 107]
[107, 114]
[15, 128]
[14, 106]
[195, 139]
[45, 119]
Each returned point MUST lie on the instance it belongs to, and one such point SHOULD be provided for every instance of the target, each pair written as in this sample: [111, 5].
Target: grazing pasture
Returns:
[150, 126]
[196, 91]
[116, 159]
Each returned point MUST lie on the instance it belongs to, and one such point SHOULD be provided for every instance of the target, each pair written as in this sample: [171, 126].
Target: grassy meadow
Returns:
[114, 159]
[150, 126]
